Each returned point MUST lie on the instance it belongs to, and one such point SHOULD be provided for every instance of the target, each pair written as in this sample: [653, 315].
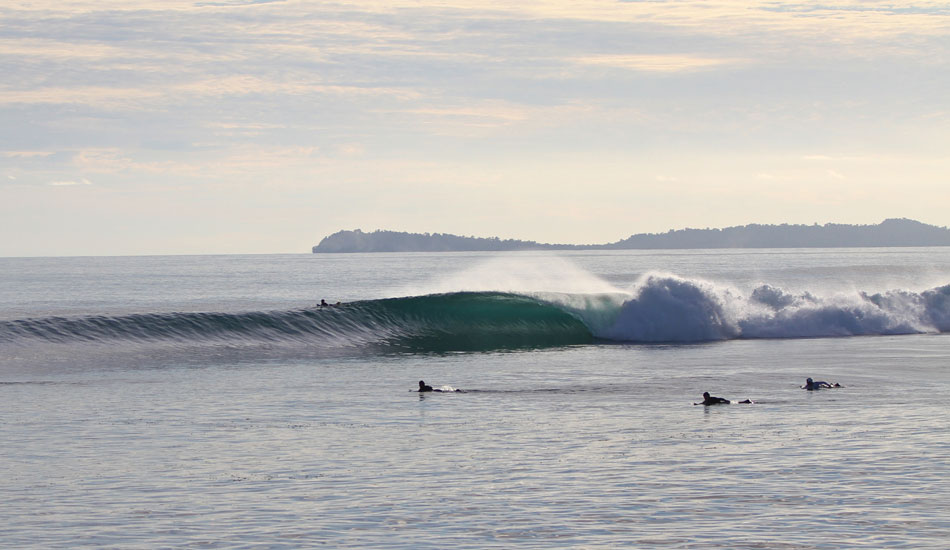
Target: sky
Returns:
[243, 126]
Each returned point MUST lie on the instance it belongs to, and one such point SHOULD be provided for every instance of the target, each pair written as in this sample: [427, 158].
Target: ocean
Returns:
[211, 402]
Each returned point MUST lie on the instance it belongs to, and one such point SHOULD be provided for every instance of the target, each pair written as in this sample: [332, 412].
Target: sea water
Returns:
[210, 402]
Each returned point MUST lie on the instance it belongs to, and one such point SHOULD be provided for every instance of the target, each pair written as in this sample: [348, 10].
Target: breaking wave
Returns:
[665, 308]
[659, 308]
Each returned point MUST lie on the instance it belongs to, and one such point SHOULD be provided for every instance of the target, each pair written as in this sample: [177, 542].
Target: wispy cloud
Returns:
[69, 183]
[670, 63]
[26, 154]
[834, 174]
[223, 162]
[485, 115]
[96, 96]
[848, 158]
[237, 3]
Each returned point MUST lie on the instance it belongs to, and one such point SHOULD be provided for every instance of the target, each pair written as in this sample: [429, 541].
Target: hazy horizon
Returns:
[232, 126]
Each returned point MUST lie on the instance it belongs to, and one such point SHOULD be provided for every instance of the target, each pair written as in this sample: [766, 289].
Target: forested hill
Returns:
[393, 241]
[892, 232]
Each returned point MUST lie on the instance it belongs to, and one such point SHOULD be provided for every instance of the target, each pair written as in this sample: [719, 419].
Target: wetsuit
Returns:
[811, 385]
[710, 400]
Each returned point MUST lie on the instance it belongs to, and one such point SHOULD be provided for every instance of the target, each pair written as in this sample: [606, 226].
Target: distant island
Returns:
[891, 232]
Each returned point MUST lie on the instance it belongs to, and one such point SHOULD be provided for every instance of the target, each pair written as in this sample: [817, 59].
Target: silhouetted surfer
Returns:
[711, 400]
[423, 387]
[323, 303]
[811, 385]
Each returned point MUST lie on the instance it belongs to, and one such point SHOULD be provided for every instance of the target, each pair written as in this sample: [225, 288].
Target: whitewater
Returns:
[181, 401]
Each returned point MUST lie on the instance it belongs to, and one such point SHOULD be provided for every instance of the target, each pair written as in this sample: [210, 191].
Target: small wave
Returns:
[35, 383]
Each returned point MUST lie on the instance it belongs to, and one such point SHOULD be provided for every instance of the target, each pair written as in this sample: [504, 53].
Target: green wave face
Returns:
[465, 321]
[475, 321]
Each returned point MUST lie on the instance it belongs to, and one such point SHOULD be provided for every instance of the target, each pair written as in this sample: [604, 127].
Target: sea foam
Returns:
[668, 308]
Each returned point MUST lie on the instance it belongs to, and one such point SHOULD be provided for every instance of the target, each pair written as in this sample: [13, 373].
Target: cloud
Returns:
[408, 50]
[237, 3]
[489, 114]
[848, 158]
[667, 63]
[238, 85]
[244, 126]
[227, 161]
[26, 154]
[147, 96]
[48, 48]
[351, 149]
[98, 96]
[68, 183]
[833, 174]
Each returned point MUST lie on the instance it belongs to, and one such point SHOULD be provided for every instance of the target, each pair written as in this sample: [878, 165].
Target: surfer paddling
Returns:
[712, 400]
[812, 385]
[423, 387]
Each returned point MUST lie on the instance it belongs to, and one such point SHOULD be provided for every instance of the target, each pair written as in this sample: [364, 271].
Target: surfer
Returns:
[712, 400]
[323, 303]
[423, 387]
[812, 385]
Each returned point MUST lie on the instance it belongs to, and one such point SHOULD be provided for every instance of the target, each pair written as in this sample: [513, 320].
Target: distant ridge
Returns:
[890, 232]
[393, 241]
